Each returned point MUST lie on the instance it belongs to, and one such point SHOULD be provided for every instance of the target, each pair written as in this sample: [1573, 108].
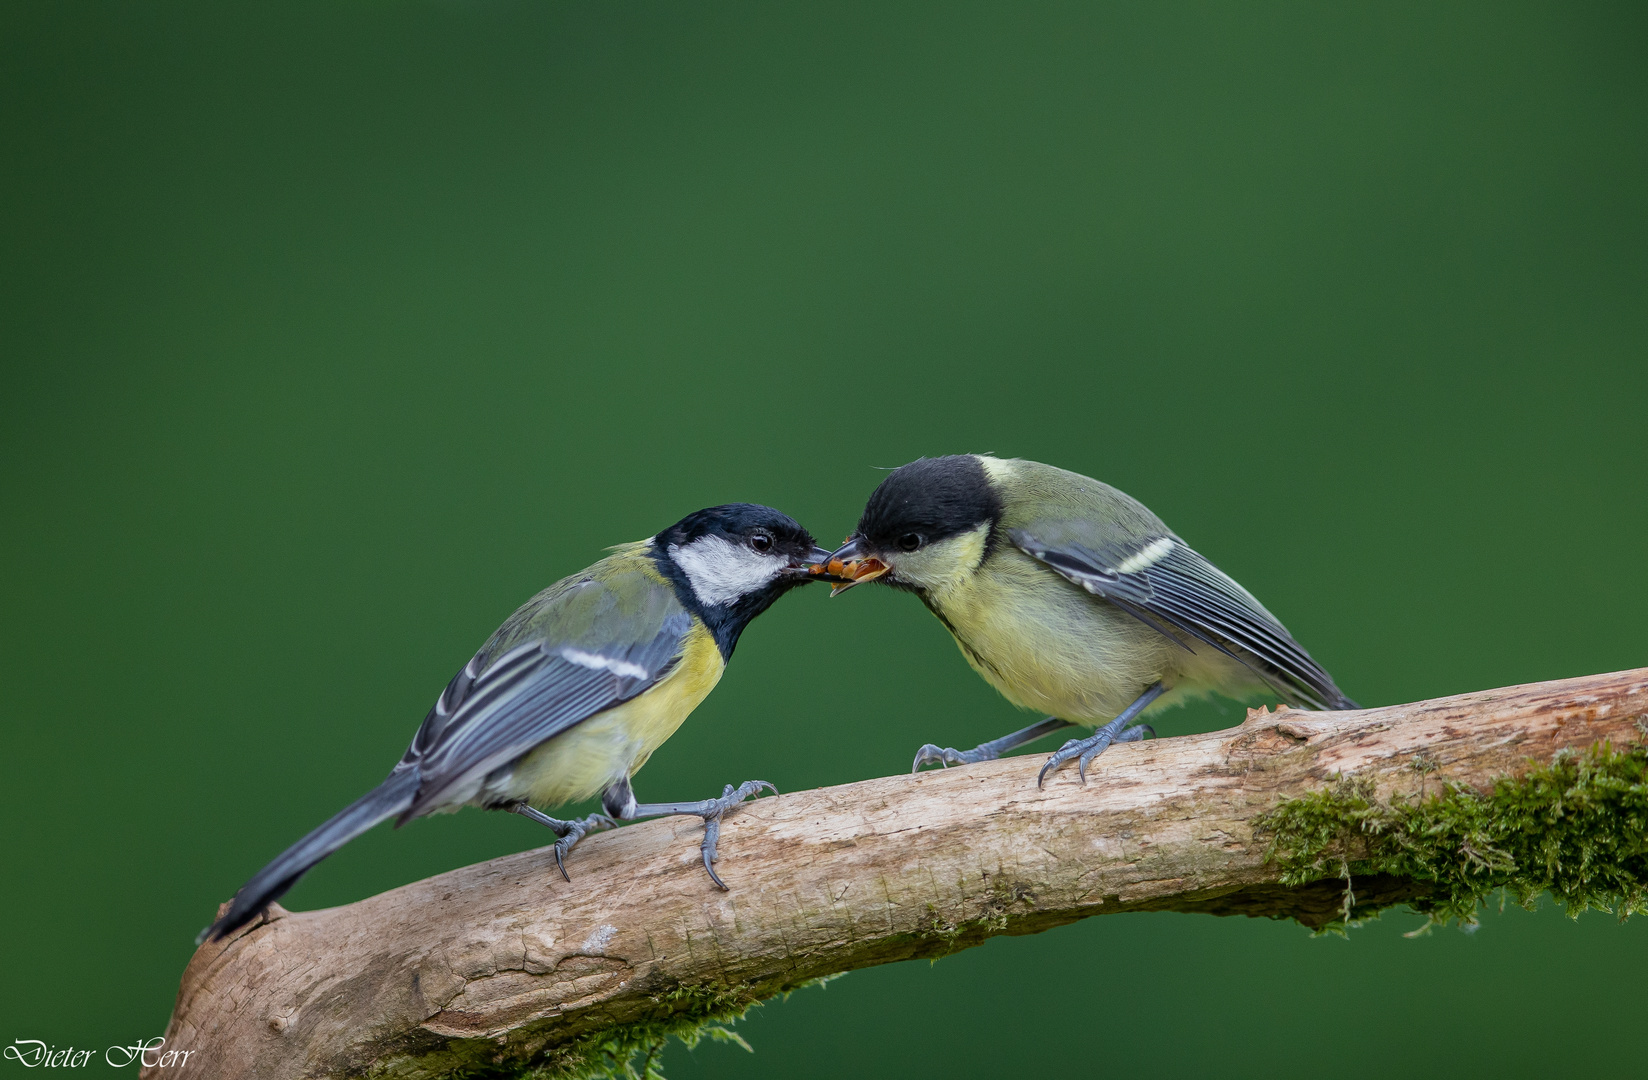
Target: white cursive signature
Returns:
[34, 1054]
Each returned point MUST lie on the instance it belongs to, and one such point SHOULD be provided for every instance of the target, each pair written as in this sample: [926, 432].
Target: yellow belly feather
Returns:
[1047, 645]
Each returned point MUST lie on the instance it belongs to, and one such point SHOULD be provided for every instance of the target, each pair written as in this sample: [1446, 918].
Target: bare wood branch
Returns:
[503, 962]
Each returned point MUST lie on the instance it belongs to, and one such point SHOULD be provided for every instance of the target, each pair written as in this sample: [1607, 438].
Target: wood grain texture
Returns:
[506, 961]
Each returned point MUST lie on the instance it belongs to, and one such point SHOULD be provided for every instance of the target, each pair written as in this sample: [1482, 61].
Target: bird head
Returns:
[740, 555]
[926, 525]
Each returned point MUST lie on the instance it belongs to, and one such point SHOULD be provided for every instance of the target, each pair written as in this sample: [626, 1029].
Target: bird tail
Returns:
[269, 884]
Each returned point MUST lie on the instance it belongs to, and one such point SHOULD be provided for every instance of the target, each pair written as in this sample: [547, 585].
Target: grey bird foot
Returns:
[933, 754]
[576, 831]
[1115, 731]
[1091, 747]
[568, 833]
[947, 756]
[711, 810]
[712, 814]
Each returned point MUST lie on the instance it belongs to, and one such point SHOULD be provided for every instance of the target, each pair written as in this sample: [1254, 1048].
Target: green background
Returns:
[333, 332]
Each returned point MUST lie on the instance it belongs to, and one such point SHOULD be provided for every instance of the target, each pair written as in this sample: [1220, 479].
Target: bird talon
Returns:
[712, 833]
[562, 847]
[1052, 763]
[731, 797]
[1101, 740]
[576, 831]
[1087, 759]
[1084, 749]
[933, 754]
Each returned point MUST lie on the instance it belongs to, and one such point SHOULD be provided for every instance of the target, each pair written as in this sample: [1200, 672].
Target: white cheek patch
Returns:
[721, 571]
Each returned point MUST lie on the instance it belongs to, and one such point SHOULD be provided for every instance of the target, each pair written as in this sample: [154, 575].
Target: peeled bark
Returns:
[503, 964]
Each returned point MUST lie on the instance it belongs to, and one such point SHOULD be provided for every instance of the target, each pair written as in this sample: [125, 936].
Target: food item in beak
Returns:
[851, 573]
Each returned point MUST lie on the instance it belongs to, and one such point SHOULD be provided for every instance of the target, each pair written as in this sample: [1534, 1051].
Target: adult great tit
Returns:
[575, 691]
[1070, 598]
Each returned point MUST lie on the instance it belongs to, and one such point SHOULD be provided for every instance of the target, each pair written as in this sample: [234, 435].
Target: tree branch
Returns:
[503, 964]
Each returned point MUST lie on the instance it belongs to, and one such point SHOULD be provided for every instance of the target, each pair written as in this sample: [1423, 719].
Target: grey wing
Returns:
[496, 709]
[1159, 579]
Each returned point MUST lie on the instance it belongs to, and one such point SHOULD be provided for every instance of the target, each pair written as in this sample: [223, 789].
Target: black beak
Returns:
[813, 565]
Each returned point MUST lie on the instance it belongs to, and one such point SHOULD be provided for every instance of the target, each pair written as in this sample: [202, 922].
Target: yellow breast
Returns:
[612, 745]
[1044, 643]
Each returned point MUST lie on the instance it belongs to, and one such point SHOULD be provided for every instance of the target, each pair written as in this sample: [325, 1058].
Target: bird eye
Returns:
[909, 541]
[761, 542]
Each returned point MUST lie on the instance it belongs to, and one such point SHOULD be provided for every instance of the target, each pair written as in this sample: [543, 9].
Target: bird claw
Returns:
[1091, 747]
[1064, 754]
[712, 812]
[576, 831]
[1100, 744]
[933, 754]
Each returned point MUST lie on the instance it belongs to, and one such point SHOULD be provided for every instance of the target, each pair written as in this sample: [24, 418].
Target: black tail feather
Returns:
[269, 884]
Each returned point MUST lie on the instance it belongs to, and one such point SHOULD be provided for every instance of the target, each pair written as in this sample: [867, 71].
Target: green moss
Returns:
[994, 916]
[1576, 828]
[634, 1051]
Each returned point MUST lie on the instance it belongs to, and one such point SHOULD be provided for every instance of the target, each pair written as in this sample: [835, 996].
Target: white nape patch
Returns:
[1153, 553]
[599, 938]
[721, 571]
[997, 469]
[597, 662]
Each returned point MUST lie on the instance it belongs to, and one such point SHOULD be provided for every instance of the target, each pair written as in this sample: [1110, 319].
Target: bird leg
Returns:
[620, 802]
[936, 755]
[1115, 731]
[568, 833]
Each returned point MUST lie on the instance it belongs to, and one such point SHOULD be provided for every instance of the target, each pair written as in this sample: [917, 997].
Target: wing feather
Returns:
[494, 711]
[1160, 577]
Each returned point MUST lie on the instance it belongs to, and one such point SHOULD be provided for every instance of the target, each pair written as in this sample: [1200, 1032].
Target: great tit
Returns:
[1070, 598]
[577, 689]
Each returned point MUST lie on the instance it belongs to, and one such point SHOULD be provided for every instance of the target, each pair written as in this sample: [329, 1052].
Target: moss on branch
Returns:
[1576, 828]
[633, 1051]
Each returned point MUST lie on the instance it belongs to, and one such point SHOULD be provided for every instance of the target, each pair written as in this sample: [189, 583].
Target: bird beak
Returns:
[848, 565]
[812, 567]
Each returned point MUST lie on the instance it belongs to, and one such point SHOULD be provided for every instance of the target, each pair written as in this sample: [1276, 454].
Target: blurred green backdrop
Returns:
[332, 332]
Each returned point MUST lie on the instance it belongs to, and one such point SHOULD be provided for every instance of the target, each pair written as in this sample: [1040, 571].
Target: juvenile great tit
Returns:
[1070, 598]
[575, 691]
